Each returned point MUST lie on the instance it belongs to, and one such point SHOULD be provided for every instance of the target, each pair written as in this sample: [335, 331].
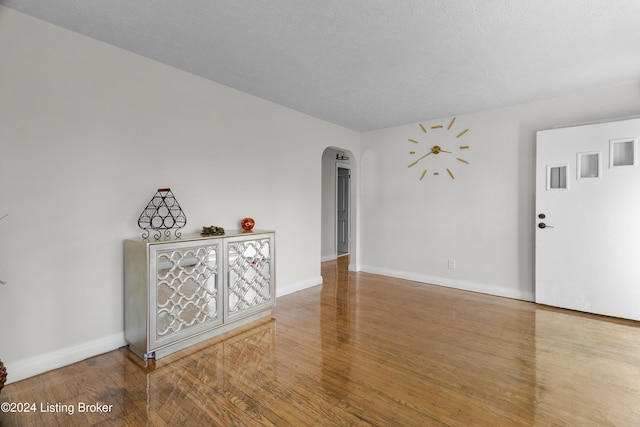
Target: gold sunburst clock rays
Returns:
[440, 141]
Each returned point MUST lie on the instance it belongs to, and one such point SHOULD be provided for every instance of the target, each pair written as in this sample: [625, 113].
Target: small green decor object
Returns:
[212, 231]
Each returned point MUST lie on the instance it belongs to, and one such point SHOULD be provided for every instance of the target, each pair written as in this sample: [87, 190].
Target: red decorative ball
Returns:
[3, 375]
[248, 224]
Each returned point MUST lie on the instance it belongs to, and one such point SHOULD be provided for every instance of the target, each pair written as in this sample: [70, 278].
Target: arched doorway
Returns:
[338, 204]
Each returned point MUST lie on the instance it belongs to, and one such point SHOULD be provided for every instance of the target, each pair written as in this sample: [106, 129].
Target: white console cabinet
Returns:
[183, 291]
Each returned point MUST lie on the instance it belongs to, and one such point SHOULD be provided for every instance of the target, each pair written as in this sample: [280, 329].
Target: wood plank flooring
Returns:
[365, 350]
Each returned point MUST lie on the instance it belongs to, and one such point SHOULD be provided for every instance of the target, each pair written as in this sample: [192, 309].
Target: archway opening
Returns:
[338, 204]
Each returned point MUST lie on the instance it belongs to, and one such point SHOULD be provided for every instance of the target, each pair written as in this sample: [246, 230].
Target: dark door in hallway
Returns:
[342, 207]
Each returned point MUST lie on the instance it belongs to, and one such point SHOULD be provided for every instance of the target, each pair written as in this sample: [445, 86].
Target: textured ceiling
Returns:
[369, 64]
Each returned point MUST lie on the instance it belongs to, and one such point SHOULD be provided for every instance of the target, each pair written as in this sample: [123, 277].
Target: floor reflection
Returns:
[336, 325]
[364, 349]
[587, 369]
[233, 371]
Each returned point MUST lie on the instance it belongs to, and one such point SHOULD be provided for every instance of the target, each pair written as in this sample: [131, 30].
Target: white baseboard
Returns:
[39, 364]
[22, 369]
[329, 258]
[46, 362]
[314, 281]
[482, 288]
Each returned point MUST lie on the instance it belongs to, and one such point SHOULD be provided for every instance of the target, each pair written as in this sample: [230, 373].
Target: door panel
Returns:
[343, 211]
[588, 253]
[185, 290]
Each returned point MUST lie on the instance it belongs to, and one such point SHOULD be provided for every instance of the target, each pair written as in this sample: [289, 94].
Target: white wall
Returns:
[88, 133]
[484, 219]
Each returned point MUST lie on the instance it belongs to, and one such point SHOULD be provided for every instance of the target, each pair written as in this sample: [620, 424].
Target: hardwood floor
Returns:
[365, 350]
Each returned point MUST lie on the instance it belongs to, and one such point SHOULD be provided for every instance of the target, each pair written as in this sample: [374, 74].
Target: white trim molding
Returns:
[308, 283]
[327, 258]
[482, 288]
[57, 359]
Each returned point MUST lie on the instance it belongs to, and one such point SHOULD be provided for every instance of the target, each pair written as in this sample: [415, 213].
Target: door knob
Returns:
[543, 225]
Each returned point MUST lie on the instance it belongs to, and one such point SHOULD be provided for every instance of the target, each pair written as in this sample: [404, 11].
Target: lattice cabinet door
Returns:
[185, 295]
[250, 274]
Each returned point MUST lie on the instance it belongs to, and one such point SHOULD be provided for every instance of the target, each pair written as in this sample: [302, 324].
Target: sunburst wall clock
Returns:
[437, 152]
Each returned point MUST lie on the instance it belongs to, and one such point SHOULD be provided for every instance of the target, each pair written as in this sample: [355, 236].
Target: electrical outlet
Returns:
[452, 264]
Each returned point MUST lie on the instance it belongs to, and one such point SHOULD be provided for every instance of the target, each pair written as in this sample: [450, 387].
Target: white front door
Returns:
[588, 218]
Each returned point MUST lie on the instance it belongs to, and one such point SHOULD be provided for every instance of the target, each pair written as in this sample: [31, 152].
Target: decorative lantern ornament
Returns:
[162, 214]
[248, 224]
